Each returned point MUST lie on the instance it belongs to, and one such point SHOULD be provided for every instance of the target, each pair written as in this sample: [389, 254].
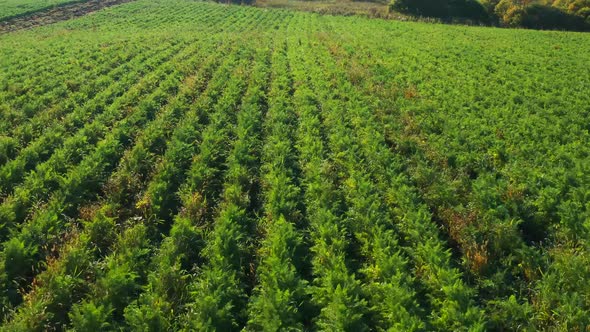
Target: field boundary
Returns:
[54, 14]
[34, 11]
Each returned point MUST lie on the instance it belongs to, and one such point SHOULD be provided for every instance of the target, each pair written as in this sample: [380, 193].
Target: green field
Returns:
[182, 165]
[12, 8]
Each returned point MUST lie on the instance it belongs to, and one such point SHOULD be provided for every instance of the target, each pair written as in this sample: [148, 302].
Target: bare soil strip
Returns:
[56, 14]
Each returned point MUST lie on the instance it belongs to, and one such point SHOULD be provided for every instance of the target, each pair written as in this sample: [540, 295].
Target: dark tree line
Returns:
[558, 14]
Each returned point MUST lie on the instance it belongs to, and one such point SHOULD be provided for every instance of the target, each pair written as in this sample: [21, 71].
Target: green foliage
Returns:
[543, 17]
[561, 15]
[17, 260]
[562, 296]
[101, 231]
[180, 165]
[468, 9]
[150, 314]
[89, 317]
[217, 296]
[510, 314]
[280, 277]
[279, 302]
[538, 16]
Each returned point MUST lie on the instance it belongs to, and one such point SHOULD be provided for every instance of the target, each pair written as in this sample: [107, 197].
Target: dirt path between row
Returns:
[56, 14]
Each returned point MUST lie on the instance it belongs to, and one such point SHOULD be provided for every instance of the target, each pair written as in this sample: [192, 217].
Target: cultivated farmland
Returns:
[182, 165]
[12, 8]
